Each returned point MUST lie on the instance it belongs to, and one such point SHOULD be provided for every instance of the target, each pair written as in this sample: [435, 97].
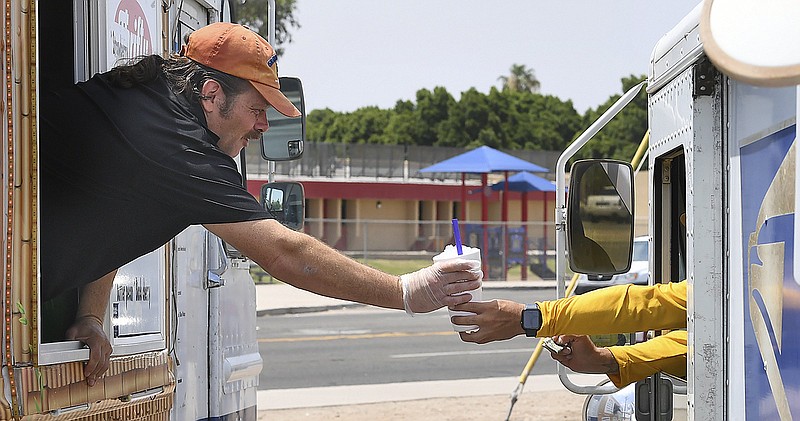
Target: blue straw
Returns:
[457, 236]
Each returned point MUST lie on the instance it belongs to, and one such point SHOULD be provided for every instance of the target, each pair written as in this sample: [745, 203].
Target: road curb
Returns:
[277, 399]
[301, 310]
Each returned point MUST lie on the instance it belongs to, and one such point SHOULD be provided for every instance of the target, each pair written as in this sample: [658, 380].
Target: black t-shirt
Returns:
[123, 172]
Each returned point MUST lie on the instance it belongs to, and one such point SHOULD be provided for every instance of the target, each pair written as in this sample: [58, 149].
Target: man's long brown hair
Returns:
[184, 75]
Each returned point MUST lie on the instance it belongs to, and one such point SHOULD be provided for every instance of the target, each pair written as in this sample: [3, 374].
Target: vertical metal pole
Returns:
[484, 230]
[271, 40]
[271, 22]
[524, 269]
[505, 225]
[463, 197]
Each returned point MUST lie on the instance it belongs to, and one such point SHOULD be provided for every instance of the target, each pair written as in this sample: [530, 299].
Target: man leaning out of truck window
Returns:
[132, 157]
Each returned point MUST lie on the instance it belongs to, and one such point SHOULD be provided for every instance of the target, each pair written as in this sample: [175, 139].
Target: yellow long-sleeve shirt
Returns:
[665, 353]
[627, 308]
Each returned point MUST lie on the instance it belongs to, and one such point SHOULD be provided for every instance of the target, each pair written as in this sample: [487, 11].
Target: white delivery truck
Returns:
[182, 318]
[722, 151]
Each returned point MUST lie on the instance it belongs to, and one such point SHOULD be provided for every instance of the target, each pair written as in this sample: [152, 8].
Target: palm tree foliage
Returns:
[521, 79]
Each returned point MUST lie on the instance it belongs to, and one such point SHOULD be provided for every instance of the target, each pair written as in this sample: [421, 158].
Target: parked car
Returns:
[638, 274]
[606, 204]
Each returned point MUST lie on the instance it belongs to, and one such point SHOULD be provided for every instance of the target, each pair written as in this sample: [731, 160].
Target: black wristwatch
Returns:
[531, 320]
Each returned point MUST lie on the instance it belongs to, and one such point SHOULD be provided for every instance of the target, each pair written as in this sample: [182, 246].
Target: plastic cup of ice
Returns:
[470, 253]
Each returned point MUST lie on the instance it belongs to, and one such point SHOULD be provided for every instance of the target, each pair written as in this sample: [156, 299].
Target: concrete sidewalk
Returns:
[279, 298]
[399, 392]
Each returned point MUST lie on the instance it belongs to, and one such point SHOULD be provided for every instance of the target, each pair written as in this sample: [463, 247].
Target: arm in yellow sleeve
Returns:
[665, 353]
[617, 309]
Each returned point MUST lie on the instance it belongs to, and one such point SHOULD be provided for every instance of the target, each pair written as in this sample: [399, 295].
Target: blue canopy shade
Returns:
[483, 160]
[525, 181]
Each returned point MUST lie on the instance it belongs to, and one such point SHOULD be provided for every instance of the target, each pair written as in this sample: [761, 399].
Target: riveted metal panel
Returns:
[679, 120]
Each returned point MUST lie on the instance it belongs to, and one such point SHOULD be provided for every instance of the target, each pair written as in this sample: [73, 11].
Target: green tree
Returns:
[319, 124]
[253, 13]
[403, 127]
[521, 79]
[541, 122]
[431, 110]
[509, 120]
[369, 125]
[503, 119]
[364, 125]
[468, 120]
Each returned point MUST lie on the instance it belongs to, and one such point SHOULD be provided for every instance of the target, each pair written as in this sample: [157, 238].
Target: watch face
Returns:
[531, 319]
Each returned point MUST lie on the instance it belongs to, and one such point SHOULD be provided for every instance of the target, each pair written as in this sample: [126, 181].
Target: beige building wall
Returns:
[381, 225]
[333, 210]
[314, 214]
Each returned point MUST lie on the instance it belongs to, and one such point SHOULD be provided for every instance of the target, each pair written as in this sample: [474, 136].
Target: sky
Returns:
[357, 53]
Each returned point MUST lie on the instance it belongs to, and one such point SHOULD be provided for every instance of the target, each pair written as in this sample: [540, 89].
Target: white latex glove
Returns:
[436, 286]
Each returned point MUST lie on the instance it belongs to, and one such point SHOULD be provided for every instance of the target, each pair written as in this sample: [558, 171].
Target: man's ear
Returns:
[210, 92]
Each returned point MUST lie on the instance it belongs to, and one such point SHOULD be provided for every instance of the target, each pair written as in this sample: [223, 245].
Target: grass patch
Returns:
[397, 267]
[390, 266]
[393, 267]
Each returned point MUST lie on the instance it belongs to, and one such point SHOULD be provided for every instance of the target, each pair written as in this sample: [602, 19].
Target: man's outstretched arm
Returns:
[307, 263]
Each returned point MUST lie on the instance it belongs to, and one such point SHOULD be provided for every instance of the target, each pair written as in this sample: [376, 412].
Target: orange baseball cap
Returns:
[238, 51]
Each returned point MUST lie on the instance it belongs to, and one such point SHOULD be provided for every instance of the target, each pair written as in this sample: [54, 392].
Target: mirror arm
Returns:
[584, 138]
[561, 194]
[561, 234]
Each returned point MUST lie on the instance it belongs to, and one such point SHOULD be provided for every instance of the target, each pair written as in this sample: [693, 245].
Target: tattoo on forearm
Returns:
[611, 366]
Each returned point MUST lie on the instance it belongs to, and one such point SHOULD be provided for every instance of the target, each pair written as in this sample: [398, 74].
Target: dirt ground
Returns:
[544, 406]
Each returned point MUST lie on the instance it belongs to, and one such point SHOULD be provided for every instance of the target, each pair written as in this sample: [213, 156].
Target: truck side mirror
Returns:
[600, 217]
[284, 139]
[286, 202]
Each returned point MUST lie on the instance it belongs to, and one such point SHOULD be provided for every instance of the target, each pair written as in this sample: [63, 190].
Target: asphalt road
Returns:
[375, 346]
